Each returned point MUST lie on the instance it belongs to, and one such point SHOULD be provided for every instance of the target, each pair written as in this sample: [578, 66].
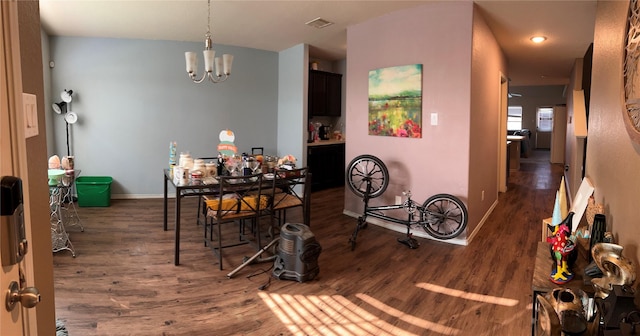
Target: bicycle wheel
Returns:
[444, 216]
[366, 170]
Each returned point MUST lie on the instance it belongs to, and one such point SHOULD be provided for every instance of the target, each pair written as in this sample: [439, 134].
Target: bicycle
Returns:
[442, 216]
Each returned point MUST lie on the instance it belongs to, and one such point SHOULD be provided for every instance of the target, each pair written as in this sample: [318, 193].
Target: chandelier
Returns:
[216, 69]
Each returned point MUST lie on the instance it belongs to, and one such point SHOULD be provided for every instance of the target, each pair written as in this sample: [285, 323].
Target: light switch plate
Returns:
[30, 109]
[434, 119]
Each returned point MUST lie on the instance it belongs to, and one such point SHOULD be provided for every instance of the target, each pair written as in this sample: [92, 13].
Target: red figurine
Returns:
[561, 247]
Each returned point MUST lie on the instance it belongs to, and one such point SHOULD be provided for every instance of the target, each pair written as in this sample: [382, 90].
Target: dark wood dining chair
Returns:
[290, 189]
[240, 202]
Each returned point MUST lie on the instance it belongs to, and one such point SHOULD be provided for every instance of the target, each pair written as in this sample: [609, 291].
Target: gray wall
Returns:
[133, 97]
[292, 101]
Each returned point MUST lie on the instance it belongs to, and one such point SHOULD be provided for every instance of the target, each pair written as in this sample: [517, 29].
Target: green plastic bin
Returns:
[94, 191]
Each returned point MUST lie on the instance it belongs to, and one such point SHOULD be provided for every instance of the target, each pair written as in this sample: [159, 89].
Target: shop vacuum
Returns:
[297, 254]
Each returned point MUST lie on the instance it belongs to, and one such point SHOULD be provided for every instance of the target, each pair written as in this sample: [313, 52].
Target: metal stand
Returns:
[70, 213]
[63, 213]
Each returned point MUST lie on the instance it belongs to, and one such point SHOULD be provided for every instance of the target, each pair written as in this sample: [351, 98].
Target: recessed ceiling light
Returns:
[538, 39]
[319, 23]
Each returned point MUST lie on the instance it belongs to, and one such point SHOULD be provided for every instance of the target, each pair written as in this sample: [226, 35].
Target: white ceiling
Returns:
[278, 25]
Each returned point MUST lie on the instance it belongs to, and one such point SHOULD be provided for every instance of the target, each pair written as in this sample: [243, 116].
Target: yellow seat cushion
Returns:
[250, 202]
[232, 204]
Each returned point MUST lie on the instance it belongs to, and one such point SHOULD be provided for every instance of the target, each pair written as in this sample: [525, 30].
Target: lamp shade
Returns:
[59, 108]
[218, 61]
[192, 61]
[71, 118]
[228, 62]
[209, 55]
[66, 96]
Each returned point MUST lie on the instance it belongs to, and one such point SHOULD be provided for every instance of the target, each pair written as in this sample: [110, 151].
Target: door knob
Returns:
[28, 296]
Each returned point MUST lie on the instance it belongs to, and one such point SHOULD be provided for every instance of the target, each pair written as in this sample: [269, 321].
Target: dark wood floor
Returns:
[123, 280]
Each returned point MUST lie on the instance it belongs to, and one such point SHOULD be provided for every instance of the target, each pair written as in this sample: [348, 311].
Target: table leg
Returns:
[165, 201]
[177, 253]
[534, 313]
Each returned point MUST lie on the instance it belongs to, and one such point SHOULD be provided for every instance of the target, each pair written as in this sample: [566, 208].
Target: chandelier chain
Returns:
[208, 19]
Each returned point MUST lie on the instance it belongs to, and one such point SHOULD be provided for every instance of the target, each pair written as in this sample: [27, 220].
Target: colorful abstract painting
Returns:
[395, 101]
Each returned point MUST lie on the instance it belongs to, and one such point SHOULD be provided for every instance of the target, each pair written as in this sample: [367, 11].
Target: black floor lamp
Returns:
[64, 108]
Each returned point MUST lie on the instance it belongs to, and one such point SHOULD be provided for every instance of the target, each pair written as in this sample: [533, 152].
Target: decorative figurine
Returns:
[617, 270]
[561, 249]
[287, 160]
[226, 146]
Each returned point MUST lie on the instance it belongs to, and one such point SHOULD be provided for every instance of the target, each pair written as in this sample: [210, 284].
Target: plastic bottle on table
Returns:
[172, 153]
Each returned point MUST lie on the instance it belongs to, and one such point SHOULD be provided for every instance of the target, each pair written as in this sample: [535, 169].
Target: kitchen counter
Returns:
[514, 148]
[326, 142]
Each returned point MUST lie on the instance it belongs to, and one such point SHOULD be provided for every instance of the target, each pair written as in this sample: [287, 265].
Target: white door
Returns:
[544, 126]
[15, 317]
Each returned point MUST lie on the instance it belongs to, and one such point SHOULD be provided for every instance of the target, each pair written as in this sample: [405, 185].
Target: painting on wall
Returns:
[395, 101]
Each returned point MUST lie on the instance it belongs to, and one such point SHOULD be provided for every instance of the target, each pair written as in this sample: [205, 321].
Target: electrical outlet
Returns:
[434, 119]
[483, 195]
[398, 199]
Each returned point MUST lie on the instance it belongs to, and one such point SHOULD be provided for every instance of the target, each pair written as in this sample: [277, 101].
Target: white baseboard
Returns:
[460, 240]
[482, 221]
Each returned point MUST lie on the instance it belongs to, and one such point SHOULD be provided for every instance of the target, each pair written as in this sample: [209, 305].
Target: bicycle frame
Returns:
[409, 205]
[371, 211]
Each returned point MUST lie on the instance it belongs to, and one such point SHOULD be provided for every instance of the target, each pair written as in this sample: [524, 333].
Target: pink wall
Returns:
[439, 36]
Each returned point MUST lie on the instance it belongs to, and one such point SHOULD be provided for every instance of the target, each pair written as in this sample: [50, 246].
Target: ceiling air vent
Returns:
[319, 23]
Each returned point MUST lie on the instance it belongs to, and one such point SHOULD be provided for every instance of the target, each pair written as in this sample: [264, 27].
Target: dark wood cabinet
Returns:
[325, 94]
[326, 163]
